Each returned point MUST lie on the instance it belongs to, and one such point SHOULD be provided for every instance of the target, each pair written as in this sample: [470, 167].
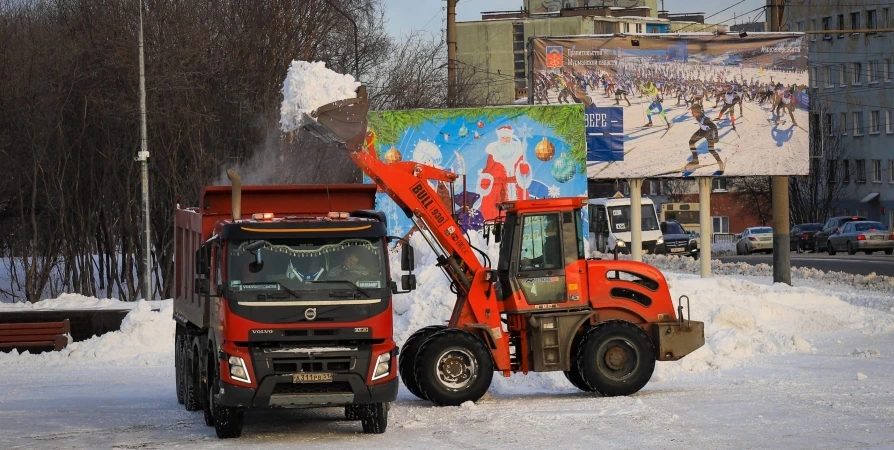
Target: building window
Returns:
[841, 25]
[870, 19]
[800, 25]
[855, 21]
[720, 224]
[876, 171]
[858, 123]
[873, 122]
[639, 28]
[860, 169]
[891, 219]
[813, 28]
[846, 173]
[827, 124]
[889, 69]
[827, 73]
[886, 13]
[857, 74]
[891, 171]
[718, 184]
[889, 125]
[827, 23]
[872, 72]
[831, 169]
[861, 212]
[842, 124]
[814, 78]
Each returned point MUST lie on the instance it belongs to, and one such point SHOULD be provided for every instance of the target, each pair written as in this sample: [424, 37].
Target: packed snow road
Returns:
[783, 367]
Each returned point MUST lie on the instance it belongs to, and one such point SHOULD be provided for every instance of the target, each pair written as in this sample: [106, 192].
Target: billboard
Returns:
[681, 105]
[501, 154]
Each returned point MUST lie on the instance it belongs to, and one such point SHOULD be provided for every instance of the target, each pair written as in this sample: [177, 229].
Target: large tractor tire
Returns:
[573, 375]
[406, 362]
[616, 358]
[454, 366]
[227, 420]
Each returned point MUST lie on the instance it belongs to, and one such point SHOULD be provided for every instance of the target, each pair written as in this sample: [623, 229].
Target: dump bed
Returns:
[194, 226]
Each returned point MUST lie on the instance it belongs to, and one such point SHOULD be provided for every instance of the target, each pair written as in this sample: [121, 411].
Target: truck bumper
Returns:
[278, 391]
[677, 339]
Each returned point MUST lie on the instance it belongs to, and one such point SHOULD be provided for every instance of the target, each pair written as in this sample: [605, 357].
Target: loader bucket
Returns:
[342, 122]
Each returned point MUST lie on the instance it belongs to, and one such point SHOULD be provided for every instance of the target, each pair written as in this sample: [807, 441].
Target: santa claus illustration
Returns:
[506, 174]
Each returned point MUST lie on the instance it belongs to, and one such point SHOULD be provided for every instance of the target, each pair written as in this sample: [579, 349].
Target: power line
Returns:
[712, 15]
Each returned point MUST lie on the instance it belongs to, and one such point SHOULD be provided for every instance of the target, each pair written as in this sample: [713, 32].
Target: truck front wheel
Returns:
[374, 417]
[406, 362]
[454, 366]
[227, 420]
[616, 358]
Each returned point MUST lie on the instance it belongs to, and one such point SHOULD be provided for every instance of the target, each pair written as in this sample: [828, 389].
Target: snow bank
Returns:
[723, 249]
[309, 85]
[70, 301]
[146, 338]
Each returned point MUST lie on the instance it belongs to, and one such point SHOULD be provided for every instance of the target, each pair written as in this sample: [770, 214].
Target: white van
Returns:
[610, 225]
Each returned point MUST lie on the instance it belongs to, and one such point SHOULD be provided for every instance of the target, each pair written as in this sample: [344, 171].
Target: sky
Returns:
[405, 16]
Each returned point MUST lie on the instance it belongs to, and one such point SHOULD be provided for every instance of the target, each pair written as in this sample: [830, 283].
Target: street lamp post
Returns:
[143, 157]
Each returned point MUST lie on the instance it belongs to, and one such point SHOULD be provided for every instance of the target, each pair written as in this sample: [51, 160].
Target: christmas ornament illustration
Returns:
[545, 150]
[392, 155]
[563, 169]
[463, 131]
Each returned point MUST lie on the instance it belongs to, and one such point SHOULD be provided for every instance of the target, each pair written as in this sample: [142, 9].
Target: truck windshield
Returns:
[620, 218]
[283, 265]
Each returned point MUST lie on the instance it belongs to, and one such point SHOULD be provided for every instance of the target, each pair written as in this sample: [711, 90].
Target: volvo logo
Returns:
[310, 313]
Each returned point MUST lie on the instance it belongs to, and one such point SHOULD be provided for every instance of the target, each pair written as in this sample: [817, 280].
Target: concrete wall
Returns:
[834, 97]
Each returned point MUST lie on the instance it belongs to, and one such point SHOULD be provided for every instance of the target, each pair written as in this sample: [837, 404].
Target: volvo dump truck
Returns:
[283, 299]
[542, 307]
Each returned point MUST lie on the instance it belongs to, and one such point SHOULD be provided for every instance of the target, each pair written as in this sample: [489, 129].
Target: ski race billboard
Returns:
[681, 105]
[501, 154]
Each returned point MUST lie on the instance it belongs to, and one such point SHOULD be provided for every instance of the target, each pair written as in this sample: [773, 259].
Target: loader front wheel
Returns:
[616, 358]
[454, 366]
[406, 362]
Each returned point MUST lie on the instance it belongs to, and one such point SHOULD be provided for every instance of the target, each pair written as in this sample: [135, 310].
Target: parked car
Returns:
[755, 239]
[801, 239]
[865, 236]
[831, 226]
[676, 240]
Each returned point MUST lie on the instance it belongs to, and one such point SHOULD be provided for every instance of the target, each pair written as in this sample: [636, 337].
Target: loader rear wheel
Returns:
[573, 375]
[616, 358]
[454, 366]
[406, 362]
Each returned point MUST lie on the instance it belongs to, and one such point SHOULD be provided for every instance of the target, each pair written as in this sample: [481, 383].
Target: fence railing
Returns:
[723, 237]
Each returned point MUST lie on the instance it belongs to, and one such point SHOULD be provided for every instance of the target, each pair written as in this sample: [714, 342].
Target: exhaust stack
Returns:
[236, 195]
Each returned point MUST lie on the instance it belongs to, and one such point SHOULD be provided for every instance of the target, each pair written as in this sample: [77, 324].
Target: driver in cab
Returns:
[350, 266]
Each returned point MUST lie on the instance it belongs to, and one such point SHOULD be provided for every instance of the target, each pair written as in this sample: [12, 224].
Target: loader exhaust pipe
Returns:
[236, 194]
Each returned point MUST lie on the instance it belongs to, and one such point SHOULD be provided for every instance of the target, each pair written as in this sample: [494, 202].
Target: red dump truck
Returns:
[283, 299]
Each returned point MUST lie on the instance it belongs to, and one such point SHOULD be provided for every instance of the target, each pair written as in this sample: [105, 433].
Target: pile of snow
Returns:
[146, 338]
[309, 85]
[723, 249]
[70, 301]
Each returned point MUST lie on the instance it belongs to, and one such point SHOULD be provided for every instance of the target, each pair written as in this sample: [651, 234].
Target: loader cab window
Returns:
[541, 243]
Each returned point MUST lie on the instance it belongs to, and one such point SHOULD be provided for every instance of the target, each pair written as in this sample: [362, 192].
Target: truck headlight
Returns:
[620, 243]
[238, 371]
[383, 366]
[660, 241]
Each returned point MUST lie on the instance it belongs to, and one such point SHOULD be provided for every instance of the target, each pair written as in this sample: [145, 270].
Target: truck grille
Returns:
[314, 366]
[339, 387]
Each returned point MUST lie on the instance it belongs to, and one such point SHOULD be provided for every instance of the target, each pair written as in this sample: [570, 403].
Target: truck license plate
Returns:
[677, 250]
[321, 377]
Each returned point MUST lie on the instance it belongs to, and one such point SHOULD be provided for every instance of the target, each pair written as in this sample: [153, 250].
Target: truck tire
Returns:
[178, 364]
[192, 398]
[454, 366]
[406, 361]
[207, 385]
[374, 417]
[616, 358]
[352, 412]
[228, 421]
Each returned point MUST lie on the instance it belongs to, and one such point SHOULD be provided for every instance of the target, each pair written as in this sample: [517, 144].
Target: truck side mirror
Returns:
[202, 286]
[408, 282]
[407, 259]
[498, 232]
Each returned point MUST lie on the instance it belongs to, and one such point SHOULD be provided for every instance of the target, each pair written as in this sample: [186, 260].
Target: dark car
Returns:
[832, 226]
[675, 240]
[801, 238]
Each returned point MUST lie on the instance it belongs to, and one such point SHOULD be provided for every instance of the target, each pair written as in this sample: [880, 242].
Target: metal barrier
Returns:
[723, 237]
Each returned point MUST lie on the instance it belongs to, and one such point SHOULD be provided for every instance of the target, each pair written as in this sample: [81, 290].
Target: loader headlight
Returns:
[383, 366]
[238, 371]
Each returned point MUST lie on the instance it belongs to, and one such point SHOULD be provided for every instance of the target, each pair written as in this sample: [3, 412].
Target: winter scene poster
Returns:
[501, 154]
[682, 105]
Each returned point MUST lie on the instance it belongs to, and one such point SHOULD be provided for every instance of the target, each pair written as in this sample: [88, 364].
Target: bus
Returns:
[686, 214]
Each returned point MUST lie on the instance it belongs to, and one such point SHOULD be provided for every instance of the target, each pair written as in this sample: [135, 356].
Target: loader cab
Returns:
[541, 248]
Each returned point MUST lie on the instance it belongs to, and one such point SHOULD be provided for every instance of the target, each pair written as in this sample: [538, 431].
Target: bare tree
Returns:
[755, 196]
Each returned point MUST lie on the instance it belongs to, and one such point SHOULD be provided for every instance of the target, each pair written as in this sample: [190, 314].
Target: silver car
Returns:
[755, 239]
[864, 236]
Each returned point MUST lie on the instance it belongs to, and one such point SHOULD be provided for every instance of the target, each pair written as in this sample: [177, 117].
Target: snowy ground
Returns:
[783, 367]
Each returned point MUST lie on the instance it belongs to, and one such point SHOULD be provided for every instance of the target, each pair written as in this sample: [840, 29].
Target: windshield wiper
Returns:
[342, 281]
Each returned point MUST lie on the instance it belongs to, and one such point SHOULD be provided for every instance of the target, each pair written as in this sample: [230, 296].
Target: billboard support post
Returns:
[704, 218]
[636, 218]
[782, 267]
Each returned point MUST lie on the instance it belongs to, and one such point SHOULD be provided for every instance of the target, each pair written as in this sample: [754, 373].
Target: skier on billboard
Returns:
[785, 100]
[707, 130]
[652, 92]
[730, 99]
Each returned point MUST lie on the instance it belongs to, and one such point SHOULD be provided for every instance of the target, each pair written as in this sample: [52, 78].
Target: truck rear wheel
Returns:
[192, 397]
[178, 363]
[207, 389]
[227, 420]
[406, 362]
[374, 417]
[454, 366]
[616, 358]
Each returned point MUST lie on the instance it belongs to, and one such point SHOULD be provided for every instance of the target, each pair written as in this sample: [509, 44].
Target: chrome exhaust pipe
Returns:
[236, 194]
